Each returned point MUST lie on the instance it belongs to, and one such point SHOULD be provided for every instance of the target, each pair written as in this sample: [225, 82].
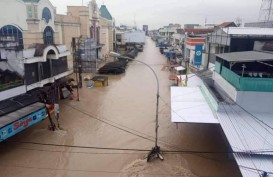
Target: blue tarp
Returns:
[170, 54]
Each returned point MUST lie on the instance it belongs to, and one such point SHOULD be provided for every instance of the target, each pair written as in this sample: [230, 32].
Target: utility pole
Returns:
[266, 11]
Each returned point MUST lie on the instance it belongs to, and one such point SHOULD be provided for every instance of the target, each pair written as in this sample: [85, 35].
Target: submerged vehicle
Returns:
[116, 67]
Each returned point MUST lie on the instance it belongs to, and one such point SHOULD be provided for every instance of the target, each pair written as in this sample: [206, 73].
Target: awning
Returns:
[190, 106]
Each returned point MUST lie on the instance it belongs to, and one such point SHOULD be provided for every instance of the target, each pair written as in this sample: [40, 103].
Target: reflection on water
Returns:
[121, 115]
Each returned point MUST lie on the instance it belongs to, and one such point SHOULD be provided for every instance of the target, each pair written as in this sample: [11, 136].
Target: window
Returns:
[46, 14]
[29, 11]
[35, 12]
[32, 11]
[48, 36]
[12, 33]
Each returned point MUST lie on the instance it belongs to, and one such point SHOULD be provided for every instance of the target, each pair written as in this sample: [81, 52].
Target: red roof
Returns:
[227, 24]
[199, 31]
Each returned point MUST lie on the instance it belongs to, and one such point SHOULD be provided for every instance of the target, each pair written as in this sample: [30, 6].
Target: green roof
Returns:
[105, 13]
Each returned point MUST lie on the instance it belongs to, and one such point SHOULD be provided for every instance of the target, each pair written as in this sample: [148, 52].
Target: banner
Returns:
[198, 55]
[21, 124]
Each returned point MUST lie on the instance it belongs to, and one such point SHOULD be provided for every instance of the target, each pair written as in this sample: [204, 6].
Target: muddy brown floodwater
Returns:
[121, 115]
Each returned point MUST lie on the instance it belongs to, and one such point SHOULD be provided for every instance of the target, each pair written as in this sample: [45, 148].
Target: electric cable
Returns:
[126, 149]
[251, 127]
[249, 154]
[255, 117]
[122, 129]
[254, 169]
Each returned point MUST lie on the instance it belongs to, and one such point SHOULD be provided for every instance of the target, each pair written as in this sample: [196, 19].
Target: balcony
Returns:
[255, 84]
[11, 85]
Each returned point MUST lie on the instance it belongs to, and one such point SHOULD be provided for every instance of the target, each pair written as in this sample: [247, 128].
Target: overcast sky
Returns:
[157, 13]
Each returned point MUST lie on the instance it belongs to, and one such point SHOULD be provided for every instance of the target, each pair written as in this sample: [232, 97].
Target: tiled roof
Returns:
[105, 13]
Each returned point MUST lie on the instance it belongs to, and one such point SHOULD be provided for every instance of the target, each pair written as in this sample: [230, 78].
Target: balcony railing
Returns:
[245, 83]
[11, 85]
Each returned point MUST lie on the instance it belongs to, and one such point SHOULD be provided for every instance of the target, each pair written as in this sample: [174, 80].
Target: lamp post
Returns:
[155, 152]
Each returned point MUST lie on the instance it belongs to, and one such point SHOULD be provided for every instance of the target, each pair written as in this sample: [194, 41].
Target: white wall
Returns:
[224, 85]
[135, 36]
[41, 5]
[14, 62]
[13, 12]
[12, 92]
[256, 101]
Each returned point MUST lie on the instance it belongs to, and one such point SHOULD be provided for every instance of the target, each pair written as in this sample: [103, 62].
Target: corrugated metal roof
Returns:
[244, 132]
[254, 165]
[249, 31]
[248, 56]
[190, 106]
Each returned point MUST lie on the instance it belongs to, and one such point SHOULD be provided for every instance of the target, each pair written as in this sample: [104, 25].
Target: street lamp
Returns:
[155, 152]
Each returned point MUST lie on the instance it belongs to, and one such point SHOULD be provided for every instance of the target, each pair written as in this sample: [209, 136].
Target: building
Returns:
[237, 99]
[195, 46]
[227, 25]
[268, 24]
[167, 31]
[146, 29]
[96, 23]
[190, 26]
[33, 63]
[236, 39]
[107, 31]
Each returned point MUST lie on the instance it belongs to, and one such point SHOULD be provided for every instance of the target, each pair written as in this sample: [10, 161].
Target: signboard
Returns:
[22, 124]
[198, 55]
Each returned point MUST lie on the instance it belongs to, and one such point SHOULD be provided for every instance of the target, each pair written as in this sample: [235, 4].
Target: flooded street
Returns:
[121, 115]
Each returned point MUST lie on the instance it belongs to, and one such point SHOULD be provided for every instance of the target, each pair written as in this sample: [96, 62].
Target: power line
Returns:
[122, 129]
[249, 168]
[127, 149]
[255, 117]
[252, 128]
[241, 139]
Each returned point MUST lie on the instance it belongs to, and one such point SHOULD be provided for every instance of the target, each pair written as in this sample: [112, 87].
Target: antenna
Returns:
[266, 11]
[135, 21]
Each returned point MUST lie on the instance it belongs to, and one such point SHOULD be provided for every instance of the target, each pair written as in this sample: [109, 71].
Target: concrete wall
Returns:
[225, 86]
[81, 12]
[104, 38]
[135, 37]
[106, 35]
[68, 27]
[13, 12]
[41, 5]
[12, 92]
